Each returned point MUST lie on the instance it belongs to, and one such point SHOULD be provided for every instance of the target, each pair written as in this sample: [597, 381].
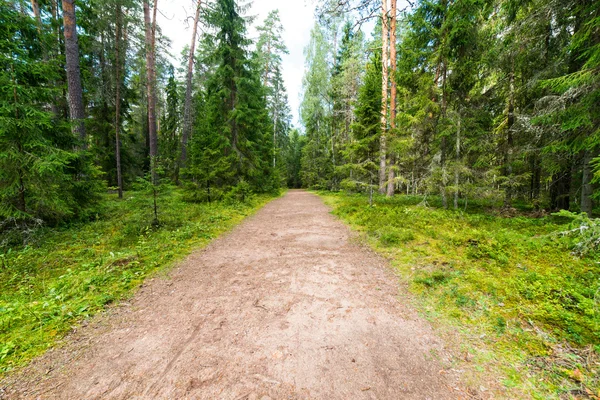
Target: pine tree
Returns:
[76, 107]
[269, 50]
[187, 106]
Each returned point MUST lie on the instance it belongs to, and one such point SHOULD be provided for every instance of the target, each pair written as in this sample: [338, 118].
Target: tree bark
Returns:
[509, 138]
[456, 173]
[118, 35]
[150, 85]
[384, 97]
[393, 91]
[77, 111]
[586, 184]
[35, 7]
[275, 138]
[443, 144]
[187, 107]
[266, 76]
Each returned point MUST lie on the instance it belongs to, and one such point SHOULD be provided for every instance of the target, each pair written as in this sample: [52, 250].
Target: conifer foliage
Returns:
[91, 100]
[232, 143]
[42, 174]
[478, 99]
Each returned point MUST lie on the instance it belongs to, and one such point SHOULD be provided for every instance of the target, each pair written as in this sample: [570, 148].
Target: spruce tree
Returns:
[232, 143]
[41, 173]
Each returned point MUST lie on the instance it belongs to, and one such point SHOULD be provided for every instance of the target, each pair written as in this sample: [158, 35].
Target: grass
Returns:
[524, 308]
[68, 274]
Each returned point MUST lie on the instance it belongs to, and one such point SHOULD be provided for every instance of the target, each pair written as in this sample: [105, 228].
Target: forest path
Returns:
[285, 306]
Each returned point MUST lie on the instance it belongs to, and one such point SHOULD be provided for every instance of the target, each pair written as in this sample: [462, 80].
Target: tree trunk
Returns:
[456, 173]
[444, 138]
[586, 184]
[384, 99]
[275, 138]
[187, 108]
[150, 86]
[560, 189]
[77, 111]
[509, 138]
[118, 27]
[35, 7]
[391, 172]
[266, 76]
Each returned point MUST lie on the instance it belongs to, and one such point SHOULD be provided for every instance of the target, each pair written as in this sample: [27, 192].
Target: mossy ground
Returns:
[523, 306]
[68, 274]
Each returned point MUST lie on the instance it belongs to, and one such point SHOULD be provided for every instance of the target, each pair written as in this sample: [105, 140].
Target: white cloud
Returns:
[297, 18]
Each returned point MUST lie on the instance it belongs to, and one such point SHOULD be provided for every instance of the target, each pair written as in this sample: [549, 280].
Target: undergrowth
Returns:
[515, 289]
[67, 274]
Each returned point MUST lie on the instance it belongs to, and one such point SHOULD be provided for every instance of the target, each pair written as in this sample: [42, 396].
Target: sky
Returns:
[297, 18]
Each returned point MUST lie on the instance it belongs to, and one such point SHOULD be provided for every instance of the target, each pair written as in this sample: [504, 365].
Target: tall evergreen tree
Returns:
[232, 143]
[269, 50]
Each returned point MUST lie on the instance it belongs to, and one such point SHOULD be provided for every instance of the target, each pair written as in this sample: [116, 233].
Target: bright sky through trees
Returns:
[297, 18]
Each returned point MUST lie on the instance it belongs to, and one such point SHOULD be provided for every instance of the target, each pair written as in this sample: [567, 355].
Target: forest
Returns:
[494, 100]
[485, 112]
[464, 100]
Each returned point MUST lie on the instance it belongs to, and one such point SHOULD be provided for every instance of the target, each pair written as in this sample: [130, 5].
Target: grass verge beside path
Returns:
[68, 274]
[523, 309]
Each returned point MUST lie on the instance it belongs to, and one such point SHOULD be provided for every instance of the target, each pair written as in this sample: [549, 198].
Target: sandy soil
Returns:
[286, 306]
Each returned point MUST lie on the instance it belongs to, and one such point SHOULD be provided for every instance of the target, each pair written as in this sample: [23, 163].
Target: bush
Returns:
[240, 193]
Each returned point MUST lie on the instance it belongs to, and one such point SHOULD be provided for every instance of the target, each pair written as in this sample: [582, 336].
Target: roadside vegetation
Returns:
[521, 291]
[51, 279]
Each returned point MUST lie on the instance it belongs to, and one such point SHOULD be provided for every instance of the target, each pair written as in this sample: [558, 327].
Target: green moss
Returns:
[509, 281]
[70, 273]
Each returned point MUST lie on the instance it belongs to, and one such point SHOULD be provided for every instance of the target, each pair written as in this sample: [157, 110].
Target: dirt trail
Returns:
[286, 306]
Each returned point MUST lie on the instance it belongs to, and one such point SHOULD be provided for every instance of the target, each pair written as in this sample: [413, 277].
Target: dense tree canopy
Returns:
[497, 99]
[91, 100]
[462, 99]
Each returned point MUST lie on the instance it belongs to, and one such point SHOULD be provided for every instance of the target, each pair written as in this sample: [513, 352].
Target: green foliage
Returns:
[512, 282]
[169, 138]
[42, 175]
[240, 193]
[232, 137]
[68, 274]
[294, 159]
[495, 100]
[317, 162]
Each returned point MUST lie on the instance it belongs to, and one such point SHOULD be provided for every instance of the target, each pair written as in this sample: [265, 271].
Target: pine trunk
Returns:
[150, 86]
[384, 97]
[118, 27]
[187, 108]
[275, 138]
[35, 7]
[73, 74]
[393, 91]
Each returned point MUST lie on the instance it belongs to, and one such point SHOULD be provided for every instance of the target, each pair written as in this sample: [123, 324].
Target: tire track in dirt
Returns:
[286, 306]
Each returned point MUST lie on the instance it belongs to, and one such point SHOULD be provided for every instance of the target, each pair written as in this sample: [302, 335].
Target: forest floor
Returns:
[287, 305]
